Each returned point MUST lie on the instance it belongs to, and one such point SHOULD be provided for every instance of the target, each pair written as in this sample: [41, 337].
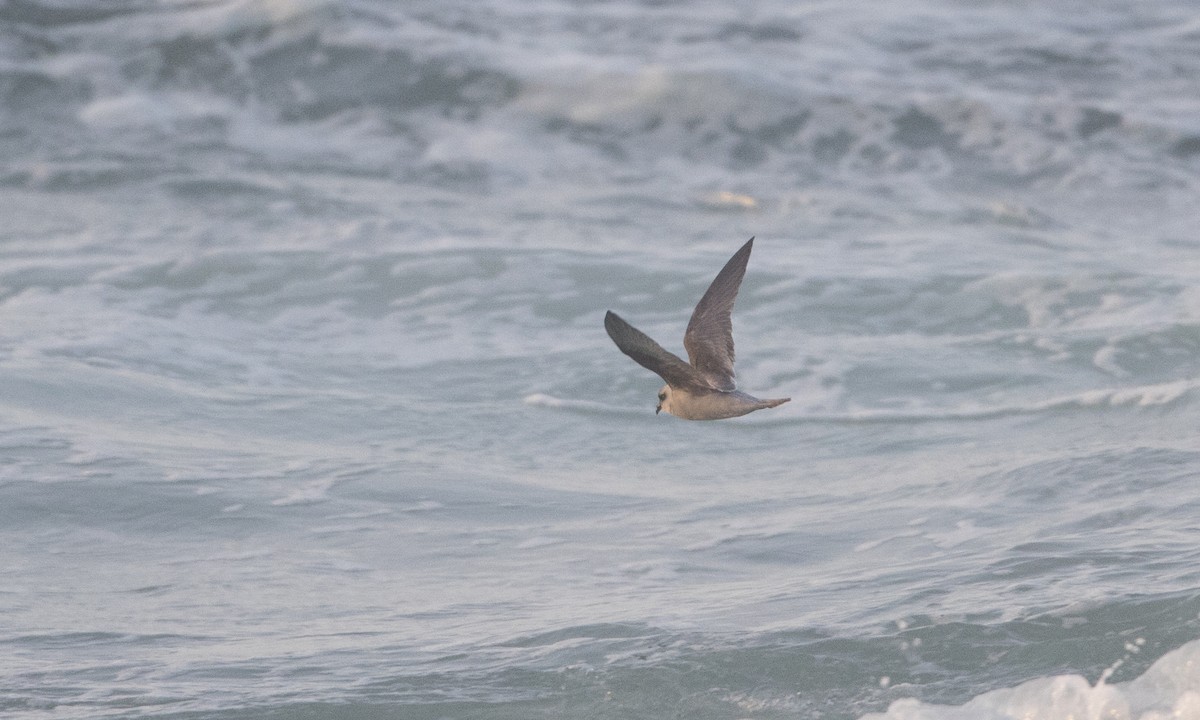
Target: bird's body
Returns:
[711, 404]
[704, 388]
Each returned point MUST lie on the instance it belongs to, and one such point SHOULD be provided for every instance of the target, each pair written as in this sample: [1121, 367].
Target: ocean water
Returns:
[307, 409]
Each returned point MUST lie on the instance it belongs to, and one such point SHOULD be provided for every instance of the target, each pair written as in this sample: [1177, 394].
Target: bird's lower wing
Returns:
[650, 355]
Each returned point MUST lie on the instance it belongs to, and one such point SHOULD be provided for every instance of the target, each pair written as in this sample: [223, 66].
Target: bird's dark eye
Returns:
[662, 396]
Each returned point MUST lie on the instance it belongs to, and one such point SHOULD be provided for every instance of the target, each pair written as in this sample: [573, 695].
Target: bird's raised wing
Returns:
[709, 336]
[650, 355]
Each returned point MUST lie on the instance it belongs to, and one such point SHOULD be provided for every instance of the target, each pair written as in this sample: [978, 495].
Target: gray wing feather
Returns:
[650, 355]
[709, 336]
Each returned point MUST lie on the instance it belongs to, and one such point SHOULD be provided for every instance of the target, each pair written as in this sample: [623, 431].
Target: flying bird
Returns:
[704, 388]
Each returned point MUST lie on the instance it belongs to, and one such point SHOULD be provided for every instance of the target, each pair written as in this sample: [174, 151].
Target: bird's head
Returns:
[664, 400]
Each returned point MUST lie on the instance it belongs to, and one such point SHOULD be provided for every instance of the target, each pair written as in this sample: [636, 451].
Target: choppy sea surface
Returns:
[307, 409]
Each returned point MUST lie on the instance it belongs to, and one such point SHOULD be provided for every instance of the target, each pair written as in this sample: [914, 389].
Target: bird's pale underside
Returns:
[704, 388]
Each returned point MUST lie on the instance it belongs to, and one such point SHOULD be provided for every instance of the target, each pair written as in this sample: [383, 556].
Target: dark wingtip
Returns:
[746, 248]
[612, 323]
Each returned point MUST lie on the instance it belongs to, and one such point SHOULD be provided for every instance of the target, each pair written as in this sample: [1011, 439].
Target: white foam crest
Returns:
[202, 20]
[1169, 689]
[164, 111]
[1147, 395]
[549, 401]
[1144, 396]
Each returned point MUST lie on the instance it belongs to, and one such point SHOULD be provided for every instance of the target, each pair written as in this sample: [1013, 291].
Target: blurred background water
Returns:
[307, 409]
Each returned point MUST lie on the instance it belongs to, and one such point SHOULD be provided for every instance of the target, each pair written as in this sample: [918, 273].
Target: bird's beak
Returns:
[657, 409]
